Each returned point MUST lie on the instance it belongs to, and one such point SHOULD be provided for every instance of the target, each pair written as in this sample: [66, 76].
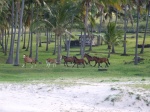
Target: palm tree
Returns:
[16, 62]
[112, 36]
[11, 51]
[138, 4]
[126, 6]
[59, 20]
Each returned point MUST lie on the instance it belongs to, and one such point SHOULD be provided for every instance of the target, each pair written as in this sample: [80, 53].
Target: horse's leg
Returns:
[73, 65]
[54, 64]
[46, 64]
[67, 64]
[98, 65]
[77, 65]
[64, 63]
[35, 64]
[89, 62]
[49, 65]
[23, 65]
[106, 65]
[83, 65]
[95, 63]
[31, 65]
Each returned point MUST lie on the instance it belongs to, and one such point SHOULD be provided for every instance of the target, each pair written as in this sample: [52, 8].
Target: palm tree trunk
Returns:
[68, 47]
[37, 42]
[125, 30]
[29, 40]
[47, 40]
[109, 52]
[113, 48]
[86, 27]
[16, 63]
[147, 19]
[3, 48]
[24, 39]
[58, 49]
[55, 46]
[30, 55]
[100, 28]
[10, 56]
[137, 31]
[6, 40]
[81, 43]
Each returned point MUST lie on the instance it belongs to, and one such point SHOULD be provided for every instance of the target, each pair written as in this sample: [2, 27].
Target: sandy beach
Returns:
[81, 97]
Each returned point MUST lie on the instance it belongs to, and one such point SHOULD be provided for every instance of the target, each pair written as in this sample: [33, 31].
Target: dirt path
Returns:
[83, 97]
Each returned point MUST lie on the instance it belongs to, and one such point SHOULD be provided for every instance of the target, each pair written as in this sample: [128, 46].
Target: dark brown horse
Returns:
[79, 61]
[67, 59]
[101, 60]
[89, 58]
[27, 59]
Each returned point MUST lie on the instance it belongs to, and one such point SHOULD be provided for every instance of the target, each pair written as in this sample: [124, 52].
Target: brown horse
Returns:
[79, 61]
[27, 59]
[101, 60]
[50, 61]
[67, 59]
[89, 58]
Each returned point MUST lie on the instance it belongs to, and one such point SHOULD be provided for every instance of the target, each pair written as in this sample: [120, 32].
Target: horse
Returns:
[27, 59]
[101, 60]
[89, 58]
[50, 61]
[67, 59]
[79, 61]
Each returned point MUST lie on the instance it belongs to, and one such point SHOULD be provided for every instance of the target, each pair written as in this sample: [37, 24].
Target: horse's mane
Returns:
[87, 55]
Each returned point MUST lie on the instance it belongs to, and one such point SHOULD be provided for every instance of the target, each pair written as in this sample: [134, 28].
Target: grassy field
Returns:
[121, 69]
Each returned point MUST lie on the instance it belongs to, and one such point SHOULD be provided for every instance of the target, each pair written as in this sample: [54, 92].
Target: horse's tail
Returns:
[108, 61]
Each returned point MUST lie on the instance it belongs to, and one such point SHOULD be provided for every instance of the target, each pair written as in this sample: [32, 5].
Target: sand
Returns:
[80, 97]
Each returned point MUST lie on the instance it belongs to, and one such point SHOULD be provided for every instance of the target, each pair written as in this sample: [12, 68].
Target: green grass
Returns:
[118, 71]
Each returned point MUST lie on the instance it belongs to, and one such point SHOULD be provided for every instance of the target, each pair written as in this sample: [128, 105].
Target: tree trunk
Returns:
[3, 48]
[31, 42]
[113, 48]
[55, 45]
[6, 41]
[137, 31]
[68, 47]
[100, 27]
[47, 40]
[13, 26]
[24, 39]
[125, 30]
[58, 49]
[37, 42]
[147, 19]
[16, 63]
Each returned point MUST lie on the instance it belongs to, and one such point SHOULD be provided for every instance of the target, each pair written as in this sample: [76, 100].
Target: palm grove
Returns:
[62, 17]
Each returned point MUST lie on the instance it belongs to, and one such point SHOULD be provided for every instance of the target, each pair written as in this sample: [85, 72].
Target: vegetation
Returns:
[42, 28]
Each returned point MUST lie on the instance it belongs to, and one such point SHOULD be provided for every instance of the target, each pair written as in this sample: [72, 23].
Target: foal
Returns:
[50, 61]
[67, 59]
[27, 59]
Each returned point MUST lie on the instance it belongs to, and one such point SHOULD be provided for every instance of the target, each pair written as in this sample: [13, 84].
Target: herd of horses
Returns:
[74, 60]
